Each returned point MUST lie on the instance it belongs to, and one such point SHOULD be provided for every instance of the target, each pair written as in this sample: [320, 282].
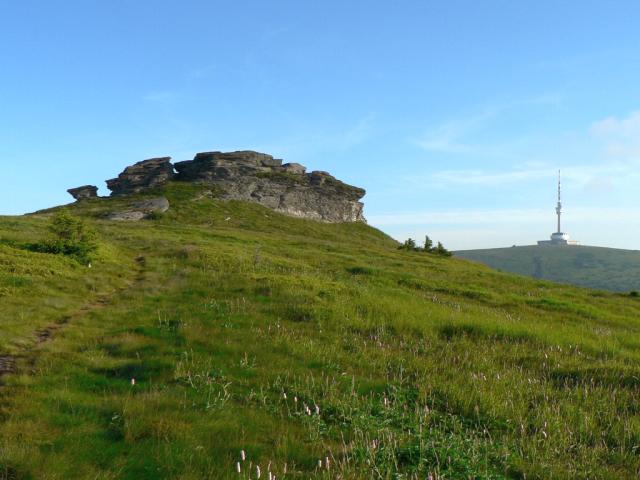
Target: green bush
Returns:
[70, 236]
[410, 245]
[440, 250]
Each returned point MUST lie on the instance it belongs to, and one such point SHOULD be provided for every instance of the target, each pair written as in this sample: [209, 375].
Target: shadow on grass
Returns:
[608, 378]
[479, 333]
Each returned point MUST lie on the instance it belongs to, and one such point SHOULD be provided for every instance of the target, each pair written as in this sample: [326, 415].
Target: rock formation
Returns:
[286, 188]
[142, 176]
[141, 210]
[86, 191]
[254, 177]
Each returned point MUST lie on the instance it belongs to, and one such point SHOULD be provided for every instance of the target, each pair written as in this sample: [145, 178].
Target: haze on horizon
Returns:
[455, 116]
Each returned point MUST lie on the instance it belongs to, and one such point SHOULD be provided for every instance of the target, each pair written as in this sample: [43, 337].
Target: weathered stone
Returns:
[159, 205]
[256, 177]
[248, 176]
[140, 210]
[126, 216]
[294, 168]
[271, 162]
[234, 159]
[86, 191]
[324, 179]
[142, 176]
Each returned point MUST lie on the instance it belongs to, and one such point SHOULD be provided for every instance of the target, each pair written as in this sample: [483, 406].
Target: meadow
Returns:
[223, 340]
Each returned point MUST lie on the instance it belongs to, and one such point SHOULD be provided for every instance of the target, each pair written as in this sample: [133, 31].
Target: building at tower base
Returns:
[558, 238]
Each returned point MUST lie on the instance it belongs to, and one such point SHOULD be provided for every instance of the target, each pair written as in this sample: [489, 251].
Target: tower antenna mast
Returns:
[559, 206]
[557, 237]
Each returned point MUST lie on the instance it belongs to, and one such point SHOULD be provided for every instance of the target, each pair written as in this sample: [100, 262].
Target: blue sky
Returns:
[454, 115]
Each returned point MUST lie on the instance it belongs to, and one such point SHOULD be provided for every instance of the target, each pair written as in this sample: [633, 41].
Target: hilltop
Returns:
[593, 267]
[249, 176]
[215, 335]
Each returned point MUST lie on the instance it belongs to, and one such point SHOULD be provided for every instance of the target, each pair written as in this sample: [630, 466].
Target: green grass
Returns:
[592, 267]
[298, 342]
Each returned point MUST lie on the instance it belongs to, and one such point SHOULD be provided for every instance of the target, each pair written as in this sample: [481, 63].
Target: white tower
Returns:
[559, 238]
[559, 206]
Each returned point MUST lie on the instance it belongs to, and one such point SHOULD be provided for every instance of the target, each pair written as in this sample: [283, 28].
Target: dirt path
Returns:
[7, 364]
[10, 364]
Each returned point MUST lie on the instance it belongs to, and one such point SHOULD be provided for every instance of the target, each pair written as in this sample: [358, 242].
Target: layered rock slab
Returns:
[286, 188]
[142, 176]
[140, 210]
[86, 191]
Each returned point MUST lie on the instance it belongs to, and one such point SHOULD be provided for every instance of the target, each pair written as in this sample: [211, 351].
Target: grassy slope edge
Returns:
[319, 350]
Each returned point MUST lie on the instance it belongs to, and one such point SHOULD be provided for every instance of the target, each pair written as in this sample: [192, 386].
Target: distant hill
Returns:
[594, 267]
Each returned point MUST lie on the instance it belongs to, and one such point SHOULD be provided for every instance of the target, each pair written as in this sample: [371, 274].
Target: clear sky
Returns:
[454, 115]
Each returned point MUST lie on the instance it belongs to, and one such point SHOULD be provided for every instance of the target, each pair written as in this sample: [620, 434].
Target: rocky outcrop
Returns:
[141, 210]
[248, 176]
[142, 176]
[286, 188]
[86, 191]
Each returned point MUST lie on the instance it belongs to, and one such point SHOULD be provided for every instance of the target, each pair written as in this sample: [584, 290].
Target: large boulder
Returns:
[140, 210]
[86, 191]
[142, 176]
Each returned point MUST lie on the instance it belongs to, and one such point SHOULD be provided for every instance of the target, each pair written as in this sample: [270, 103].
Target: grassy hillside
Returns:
[592, 267]
[320, 351]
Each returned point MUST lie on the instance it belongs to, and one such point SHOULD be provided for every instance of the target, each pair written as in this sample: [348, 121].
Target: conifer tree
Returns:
[428, 244]
[440, 250]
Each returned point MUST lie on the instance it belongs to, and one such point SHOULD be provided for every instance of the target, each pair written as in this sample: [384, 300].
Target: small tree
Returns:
[440, 250]
[409, 244]
[428, 244]
[71, 236]
[69, 229]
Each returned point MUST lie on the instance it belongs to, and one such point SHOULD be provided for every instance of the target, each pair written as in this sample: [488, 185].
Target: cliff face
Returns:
[254, 177]
[286, 188]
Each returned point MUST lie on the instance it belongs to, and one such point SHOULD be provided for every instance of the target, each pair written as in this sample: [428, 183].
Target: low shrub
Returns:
[70, 236]
[411, 246]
